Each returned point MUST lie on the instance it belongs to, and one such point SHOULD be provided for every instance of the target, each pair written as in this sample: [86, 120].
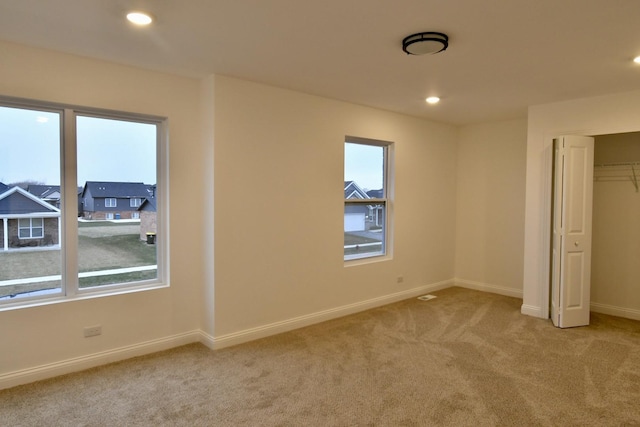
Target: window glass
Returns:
[62, 171]
[30, 258]
[365, 208]
[116, 159]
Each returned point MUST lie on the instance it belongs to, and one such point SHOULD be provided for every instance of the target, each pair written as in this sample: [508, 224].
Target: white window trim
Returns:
[110, 202]
[386, 200]
[135, 202]
[70, 290]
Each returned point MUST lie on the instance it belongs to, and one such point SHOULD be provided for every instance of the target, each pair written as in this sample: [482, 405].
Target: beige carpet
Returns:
[464, 358]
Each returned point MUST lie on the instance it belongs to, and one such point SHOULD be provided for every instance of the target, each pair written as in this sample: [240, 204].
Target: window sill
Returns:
[356, 260]
[31, 303]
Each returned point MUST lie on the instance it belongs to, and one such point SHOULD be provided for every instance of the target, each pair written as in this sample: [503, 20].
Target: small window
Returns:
[110, 203]
[135, 215]
[135, 202]
[109, 215]
[365, 198]
[30, 228]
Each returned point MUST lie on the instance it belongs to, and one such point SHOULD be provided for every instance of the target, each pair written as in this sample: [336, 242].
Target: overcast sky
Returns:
[108, 150]
[114, 150]
[364, 165]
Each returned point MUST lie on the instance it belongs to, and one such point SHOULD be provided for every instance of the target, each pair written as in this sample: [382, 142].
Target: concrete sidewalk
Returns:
[86, 274]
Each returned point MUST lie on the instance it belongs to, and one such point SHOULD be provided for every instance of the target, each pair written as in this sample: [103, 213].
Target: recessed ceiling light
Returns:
[636, 59]
[432, 100]
[139, 18]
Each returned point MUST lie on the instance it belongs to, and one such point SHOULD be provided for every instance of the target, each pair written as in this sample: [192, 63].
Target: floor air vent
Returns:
[427, 297]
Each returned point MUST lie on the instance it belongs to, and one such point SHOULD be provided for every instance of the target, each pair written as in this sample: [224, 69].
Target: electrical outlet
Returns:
[92, 331]
[400, 279]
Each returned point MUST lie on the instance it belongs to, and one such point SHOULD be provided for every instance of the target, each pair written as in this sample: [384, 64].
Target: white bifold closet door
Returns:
[571, 246]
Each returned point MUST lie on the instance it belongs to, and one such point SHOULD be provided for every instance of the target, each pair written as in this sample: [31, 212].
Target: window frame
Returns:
[135, 202]
[110, 202]
[70, 289]
[385, 201]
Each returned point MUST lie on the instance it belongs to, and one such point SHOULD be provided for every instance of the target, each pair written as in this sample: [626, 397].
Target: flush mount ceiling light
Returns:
[425, 43]
[139, 18]
[432, 100]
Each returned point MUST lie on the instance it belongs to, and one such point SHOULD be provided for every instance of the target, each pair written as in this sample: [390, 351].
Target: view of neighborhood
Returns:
[363, 223]
[116, 230]
[364, 195]
[112, 240]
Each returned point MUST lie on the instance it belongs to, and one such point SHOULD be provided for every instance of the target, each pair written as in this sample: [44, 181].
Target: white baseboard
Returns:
[528, 310]
[485, 287]
[628, 313]
[310, 319]
[24, 376]
[531, 310]
[50, 370]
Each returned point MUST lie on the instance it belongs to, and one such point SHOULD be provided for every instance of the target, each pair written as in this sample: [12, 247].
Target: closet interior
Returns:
[615, 263]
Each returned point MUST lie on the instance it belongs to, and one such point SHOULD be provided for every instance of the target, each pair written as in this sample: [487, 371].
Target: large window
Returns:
[63, 248]
[366, 205]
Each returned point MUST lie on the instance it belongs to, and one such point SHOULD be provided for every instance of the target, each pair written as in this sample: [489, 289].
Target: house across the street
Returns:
[113, 200]
[361, 217]
[148, 216]
[26, 220]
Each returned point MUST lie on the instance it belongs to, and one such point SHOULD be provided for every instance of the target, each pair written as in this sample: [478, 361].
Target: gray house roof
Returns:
[375, 194]
[17, 201]
[3, 187]
[353, 191]
[47, 191]
[122, 190]
[148, 205]
[44, 191]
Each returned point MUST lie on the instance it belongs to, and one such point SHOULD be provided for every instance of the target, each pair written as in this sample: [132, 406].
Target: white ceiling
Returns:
[503, 55]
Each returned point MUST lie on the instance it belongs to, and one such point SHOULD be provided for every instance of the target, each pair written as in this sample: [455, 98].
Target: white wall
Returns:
[278, 206]
[621, 147]
[617, 113]
[490, 208]
[45, 335]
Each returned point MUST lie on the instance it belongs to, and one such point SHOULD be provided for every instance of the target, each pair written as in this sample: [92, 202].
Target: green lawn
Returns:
[352, 239]
[102, 246]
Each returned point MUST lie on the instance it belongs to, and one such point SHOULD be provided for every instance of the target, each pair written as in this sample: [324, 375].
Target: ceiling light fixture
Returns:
[425, 43]
[432, 100]
[636, 59]
[139, 18]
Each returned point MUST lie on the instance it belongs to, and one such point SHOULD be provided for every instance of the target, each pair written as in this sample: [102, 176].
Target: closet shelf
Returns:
[625, 171]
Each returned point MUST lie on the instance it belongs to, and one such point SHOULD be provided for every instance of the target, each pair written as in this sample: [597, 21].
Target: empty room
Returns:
[319, 213]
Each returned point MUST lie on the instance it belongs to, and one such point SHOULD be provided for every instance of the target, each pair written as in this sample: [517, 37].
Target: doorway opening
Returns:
[595, 240]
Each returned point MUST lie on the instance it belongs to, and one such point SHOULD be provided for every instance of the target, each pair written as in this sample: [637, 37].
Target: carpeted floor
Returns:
[464, 358]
